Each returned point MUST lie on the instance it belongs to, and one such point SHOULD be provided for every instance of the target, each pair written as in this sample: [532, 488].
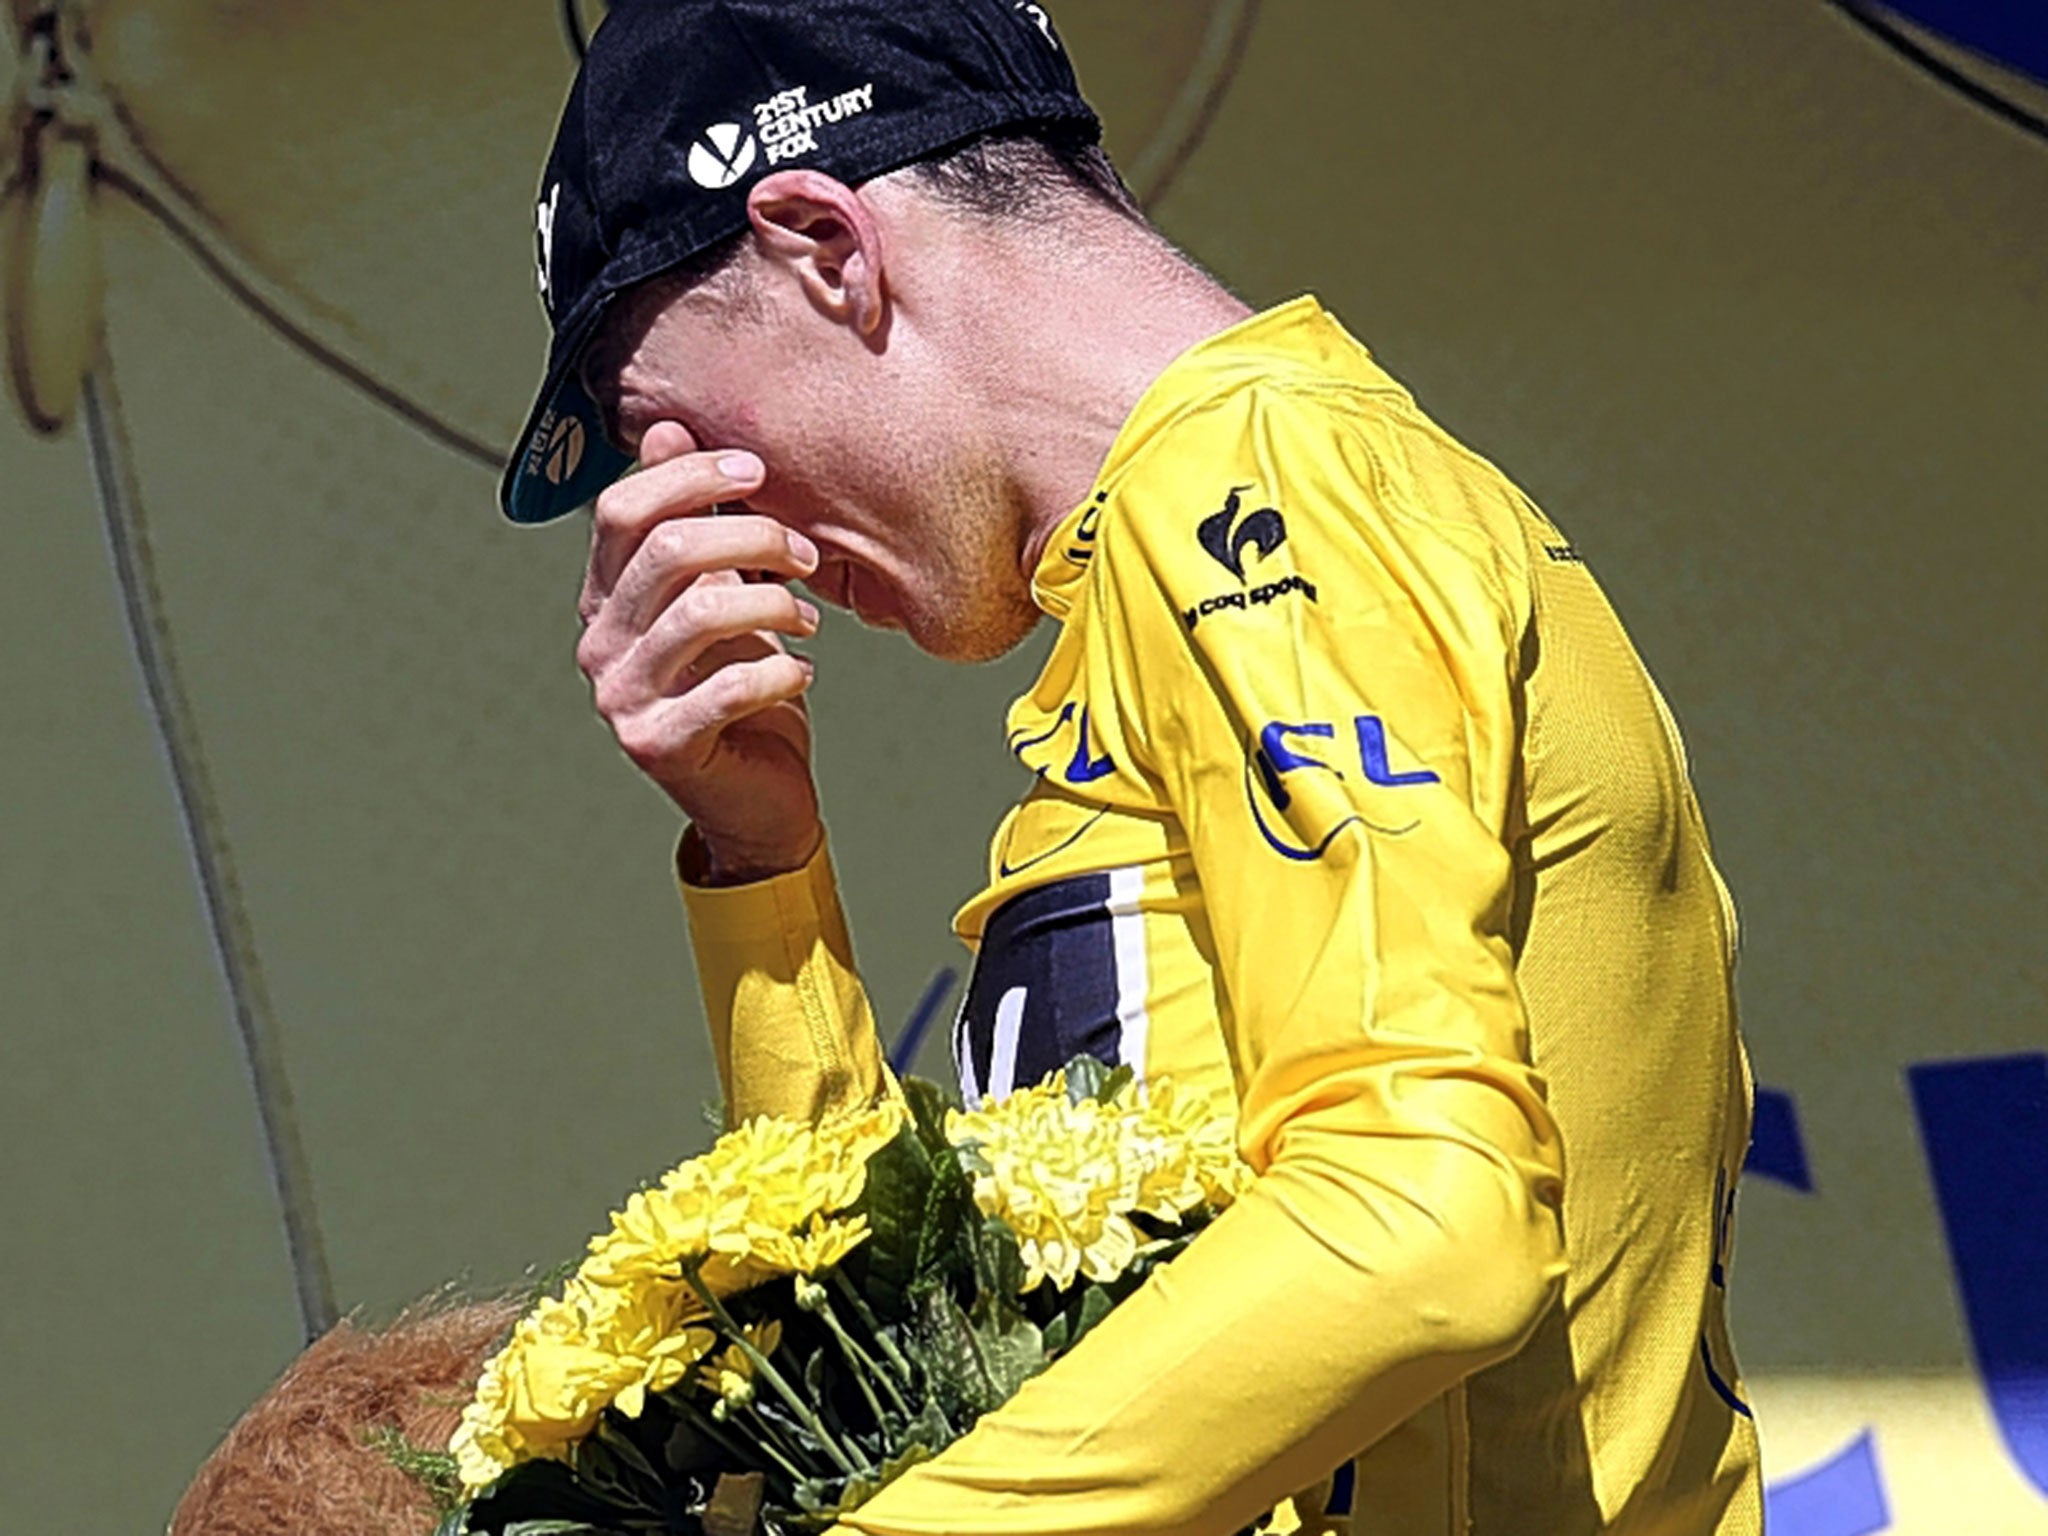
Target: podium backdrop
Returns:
[299, 789]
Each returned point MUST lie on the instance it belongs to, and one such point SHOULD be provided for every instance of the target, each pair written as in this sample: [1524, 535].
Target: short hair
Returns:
[1018, 178]
[1026, 177]
[313, 1456]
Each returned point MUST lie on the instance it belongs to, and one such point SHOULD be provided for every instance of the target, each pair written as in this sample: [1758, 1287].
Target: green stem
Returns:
[773, 1444]
[874, 1326]
[773, 1377]
[906, 1374]
[864, 1366]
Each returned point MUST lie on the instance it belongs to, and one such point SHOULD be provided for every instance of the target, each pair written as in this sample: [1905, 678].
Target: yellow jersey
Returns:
[1355, 810]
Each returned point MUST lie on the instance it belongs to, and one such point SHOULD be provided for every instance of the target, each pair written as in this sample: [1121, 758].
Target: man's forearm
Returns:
[791, 1028]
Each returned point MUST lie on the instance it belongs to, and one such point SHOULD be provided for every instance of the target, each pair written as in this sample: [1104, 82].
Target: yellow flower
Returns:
[816, 1249]
[734, 1212]
[731, 1373]
[658, 1231]
[658, 1332]
[483, 1446]
[568, 1360]
[1060, 1176]
[1197, 1151]
[1066, 1177]
[764, 1201]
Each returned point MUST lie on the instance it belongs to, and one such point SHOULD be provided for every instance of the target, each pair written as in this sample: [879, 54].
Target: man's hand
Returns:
[683, 658]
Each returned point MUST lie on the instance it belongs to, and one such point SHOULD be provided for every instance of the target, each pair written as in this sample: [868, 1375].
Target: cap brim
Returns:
[564, 458]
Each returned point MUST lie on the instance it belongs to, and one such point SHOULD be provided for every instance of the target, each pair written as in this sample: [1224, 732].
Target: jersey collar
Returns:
[1296, 329]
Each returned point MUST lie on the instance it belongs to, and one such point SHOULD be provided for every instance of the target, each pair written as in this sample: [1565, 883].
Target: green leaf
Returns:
[977, 1362]
[824, 1504]
[553, 1528]
[434, 1470]
[793, 1430]
[1012, 1352]
[614, 1439]
[899, 1178]
[1088, 1078]
[998, 1265]
[815, 1495]
[930, 1426]
[1054, 1336]
[952, 1360]
[928, 1105]
[860, 1489]
[945, 1242]
[1091, 1307]
[1084, 1078]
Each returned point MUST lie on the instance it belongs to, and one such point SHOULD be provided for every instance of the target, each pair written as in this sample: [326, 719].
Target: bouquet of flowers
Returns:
[766, 1337]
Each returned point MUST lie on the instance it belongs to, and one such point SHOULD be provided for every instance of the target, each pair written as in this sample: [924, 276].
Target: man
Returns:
[1353, 803]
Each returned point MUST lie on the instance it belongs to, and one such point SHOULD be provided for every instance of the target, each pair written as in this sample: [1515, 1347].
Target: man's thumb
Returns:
[665, 440]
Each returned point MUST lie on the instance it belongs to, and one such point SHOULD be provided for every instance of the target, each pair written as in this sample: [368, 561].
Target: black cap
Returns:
[681, 105]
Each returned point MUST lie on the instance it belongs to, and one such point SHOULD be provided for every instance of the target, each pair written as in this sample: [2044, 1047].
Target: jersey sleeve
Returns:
[791, 1029]
[1309, 626]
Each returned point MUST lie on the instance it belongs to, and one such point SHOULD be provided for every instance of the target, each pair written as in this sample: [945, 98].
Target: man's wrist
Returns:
[712, 864]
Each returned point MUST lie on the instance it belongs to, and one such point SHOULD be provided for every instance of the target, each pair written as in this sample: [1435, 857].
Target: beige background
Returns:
[1755, 311]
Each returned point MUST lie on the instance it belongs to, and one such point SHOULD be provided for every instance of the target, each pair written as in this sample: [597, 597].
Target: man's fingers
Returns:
[686, 485]
[677, 552]
[689, 483]
[706, 616]
[663, 441]
[687, 727]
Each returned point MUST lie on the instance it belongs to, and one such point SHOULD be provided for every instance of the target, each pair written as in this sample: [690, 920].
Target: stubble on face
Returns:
[961, 593]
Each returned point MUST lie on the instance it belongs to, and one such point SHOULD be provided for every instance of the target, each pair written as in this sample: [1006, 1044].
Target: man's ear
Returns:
[824, 235]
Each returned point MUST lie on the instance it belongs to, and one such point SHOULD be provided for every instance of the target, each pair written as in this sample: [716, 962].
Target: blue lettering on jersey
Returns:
[1273, 758]
[1007, 869]
[1372, 755]
[1717, 1276]
[1085, 769]
[1019, 743]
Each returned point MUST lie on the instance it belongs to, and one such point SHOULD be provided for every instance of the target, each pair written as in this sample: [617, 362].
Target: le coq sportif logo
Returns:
[1226, 535]
[1226, 538]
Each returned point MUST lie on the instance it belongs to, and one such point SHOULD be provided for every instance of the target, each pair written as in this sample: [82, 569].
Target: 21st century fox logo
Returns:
[786, 125]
